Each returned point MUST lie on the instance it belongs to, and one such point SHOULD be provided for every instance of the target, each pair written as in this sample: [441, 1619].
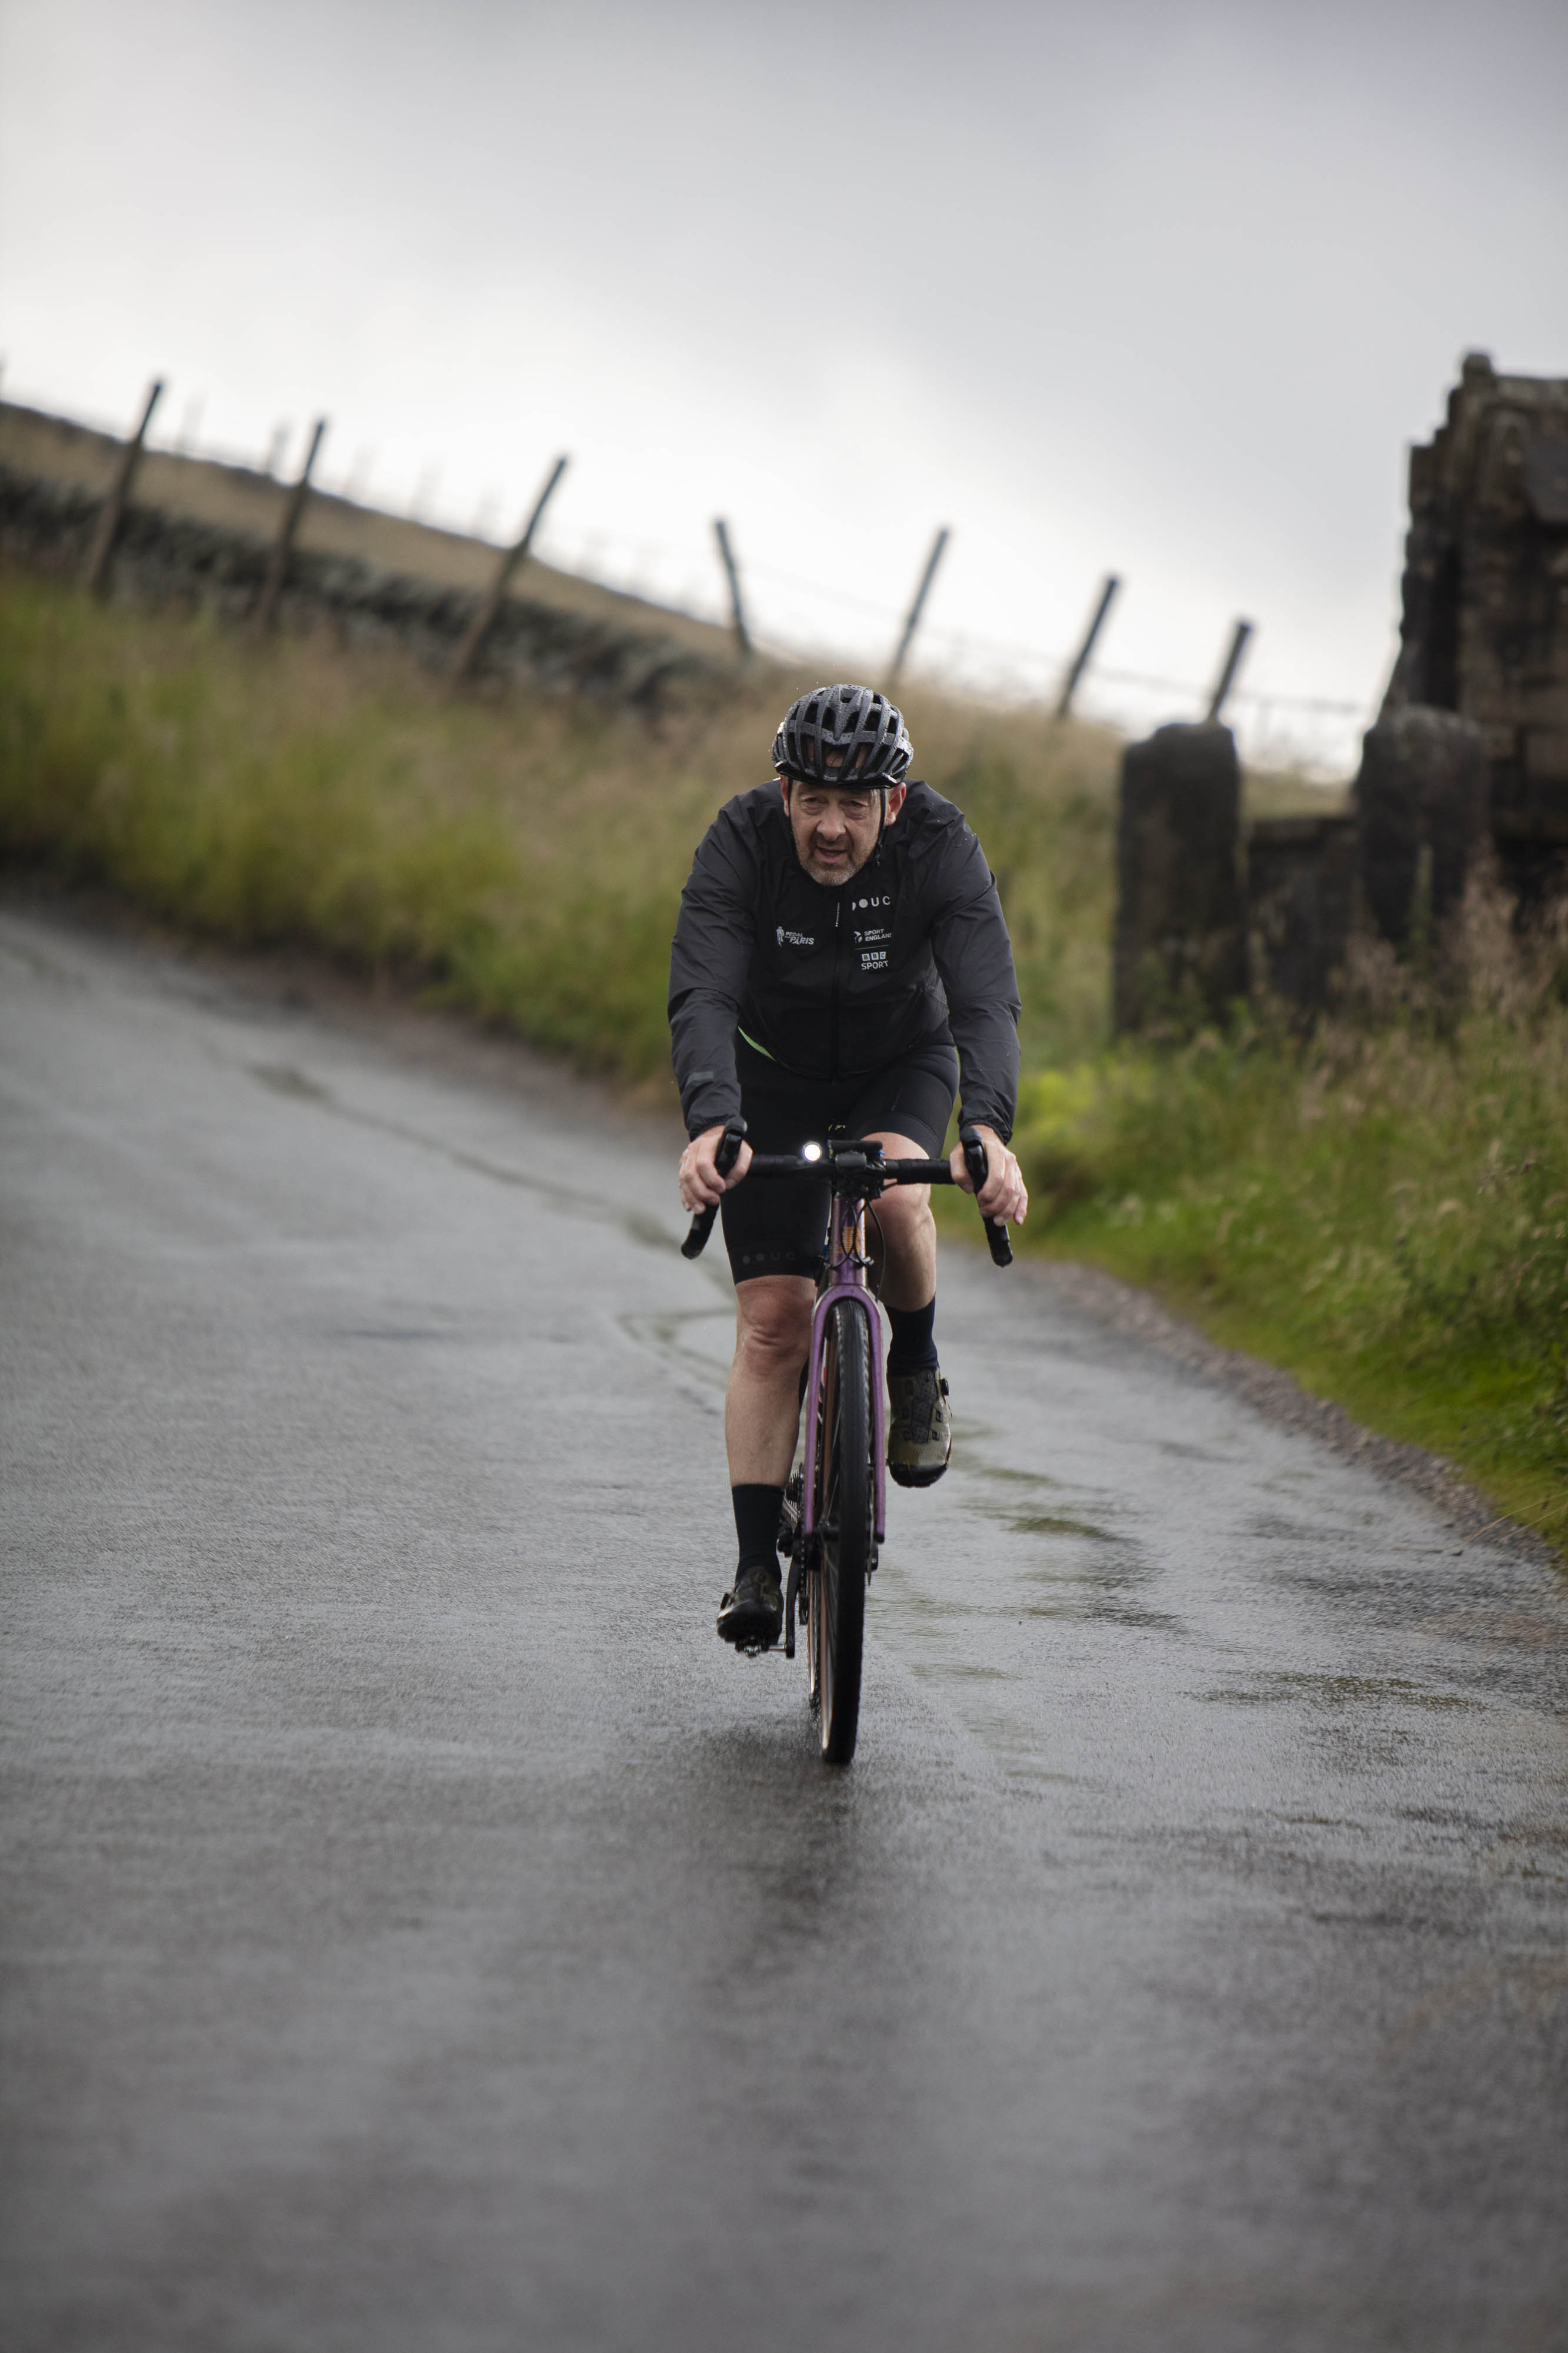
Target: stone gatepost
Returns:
[1421, 816]
[1180, 942]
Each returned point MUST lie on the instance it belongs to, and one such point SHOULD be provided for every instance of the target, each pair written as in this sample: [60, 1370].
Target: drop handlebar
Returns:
[848, 1168]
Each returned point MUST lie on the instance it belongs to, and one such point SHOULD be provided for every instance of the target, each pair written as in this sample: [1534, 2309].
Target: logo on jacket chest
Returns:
[870, 927]
[872, 930]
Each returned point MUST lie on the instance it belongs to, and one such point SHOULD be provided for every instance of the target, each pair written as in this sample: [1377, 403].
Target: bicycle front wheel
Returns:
[846, 1493]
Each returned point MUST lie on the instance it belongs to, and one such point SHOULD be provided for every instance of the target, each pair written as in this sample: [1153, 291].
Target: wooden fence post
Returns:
[913, 623]
[1226, 678]
[95, 571]
[1079, 663]
[737, 610]
[478, 628]
[278, 564]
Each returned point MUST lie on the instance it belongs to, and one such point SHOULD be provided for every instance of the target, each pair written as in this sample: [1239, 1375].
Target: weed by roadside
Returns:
[1384, 1210]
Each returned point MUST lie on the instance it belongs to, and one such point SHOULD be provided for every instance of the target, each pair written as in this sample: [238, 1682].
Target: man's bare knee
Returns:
[904, 1210]
[772, 1316]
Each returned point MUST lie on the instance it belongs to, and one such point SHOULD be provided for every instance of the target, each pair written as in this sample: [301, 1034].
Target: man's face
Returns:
[836, 829]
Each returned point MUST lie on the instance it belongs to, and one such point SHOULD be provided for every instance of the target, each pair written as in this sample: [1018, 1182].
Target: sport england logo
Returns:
[796, 939]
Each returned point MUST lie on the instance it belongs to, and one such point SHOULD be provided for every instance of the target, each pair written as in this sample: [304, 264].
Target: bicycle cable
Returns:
[875, 1277]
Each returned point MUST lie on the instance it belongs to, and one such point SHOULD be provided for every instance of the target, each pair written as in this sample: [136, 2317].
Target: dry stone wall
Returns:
[199, 533]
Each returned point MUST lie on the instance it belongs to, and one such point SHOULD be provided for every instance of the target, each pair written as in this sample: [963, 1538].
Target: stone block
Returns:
[1301, 874]
[1180, 944]
[1546, 755]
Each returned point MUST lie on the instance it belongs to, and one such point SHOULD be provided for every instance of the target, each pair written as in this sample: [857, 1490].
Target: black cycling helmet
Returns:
[843, 735]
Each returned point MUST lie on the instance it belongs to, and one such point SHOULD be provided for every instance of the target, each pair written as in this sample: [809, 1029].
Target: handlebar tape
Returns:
[724, 1159]
[995, 1230]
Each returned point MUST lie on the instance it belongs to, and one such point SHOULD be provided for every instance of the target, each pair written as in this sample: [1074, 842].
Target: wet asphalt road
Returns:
[421, 1936]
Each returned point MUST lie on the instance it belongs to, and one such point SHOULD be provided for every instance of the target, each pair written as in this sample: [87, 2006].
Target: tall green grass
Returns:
[514, 865]
[522, 862]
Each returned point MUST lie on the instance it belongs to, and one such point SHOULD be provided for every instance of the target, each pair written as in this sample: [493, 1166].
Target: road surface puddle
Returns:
[998, 1474]
[386, 1332]
[959, 1670]
[284, 1079]
[1049, 1524]
[1336, 1691]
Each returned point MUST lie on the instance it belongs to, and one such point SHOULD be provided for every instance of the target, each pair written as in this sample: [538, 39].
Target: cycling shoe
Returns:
[752, 1617]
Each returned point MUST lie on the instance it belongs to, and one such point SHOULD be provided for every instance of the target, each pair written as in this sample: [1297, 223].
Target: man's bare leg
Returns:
[909, 1230]
[762, 1403]
[761, 1415]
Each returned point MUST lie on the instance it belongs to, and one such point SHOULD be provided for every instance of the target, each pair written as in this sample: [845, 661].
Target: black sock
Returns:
[913, 1349]
[757, 1512]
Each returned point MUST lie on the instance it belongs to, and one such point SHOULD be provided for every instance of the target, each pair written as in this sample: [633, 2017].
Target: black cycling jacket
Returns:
[833, 981]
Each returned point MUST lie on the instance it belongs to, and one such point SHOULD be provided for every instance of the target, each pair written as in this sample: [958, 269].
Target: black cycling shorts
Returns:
[771, 1227]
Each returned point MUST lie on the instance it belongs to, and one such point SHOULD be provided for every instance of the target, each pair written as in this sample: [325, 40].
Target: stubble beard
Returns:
[832, 878]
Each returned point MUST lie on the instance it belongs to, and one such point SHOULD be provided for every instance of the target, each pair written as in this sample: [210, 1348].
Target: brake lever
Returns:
[724, 1159]
[974, 1160]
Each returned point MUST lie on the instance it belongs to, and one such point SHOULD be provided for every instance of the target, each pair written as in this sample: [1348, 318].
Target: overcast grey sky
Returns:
[1162, 288]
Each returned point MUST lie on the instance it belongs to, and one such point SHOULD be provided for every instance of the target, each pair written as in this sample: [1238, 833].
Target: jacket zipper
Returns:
[833, 993]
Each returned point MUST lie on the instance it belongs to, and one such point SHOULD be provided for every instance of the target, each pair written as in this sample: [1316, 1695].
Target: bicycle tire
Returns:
[845, 1504]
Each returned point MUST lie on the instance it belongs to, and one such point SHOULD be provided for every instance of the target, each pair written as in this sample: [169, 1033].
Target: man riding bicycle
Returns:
[840, 961]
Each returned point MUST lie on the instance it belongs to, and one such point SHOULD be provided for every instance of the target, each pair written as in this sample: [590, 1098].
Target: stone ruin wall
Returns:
[1485, 626]
[1470, 748]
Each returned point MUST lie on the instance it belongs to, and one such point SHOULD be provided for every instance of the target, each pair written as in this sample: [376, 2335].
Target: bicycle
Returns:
[834, 1509]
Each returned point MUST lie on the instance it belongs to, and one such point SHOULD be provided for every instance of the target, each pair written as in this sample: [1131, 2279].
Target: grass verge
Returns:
[1383, 1211]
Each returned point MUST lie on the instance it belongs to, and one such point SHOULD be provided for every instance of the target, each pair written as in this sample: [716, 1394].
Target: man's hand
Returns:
[701, 1186]
[1004, 1197]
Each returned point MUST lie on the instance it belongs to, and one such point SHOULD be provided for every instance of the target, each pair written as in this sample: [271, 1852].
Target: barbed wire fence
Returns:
[1317, 737]
[805, 622]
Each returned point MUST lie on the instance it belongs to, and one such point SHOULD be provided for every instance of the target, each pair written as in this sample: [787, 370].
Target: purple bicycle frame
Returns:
[846, 1280]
